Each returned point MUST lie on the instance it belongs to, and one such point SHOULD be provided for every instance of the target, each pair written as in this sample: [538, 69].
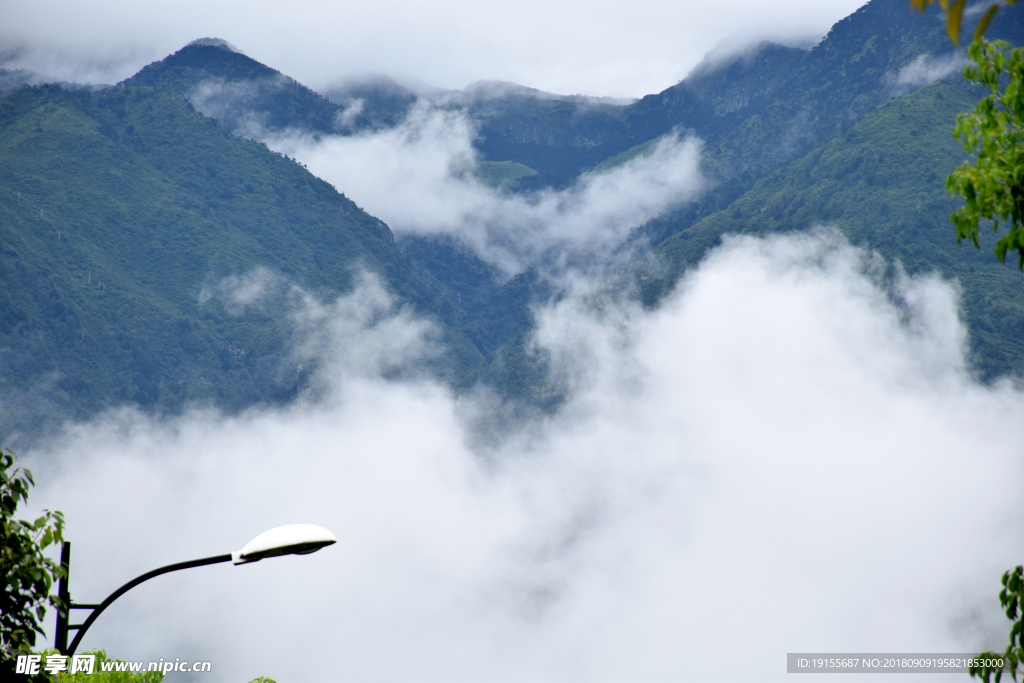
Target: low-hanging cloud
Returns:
[788, 455]
[238, 292]
[346, 118]
[366, 334]
[418, 178]
[924, 70]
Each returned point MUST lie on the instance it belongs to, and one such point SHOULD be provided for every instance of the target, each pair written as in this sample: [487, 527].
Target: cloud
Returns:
[237, 292]
[91, 65]
[418, 178]
[364, 335]
[924, 70]
[346, 118]
[788, 455]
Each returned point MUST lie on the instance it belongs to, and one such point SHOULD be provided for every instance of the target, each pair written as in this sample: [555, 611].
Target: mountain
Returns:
[247, 96]
[238, 91]
[122, 209]
[871, 160]
[557, 136]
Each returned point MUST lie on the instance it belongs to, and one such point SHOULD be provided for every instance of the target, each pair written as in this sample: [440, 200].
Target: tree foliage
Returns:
[28, 574]
[994, 185]
[1011, 597]
[994, 190]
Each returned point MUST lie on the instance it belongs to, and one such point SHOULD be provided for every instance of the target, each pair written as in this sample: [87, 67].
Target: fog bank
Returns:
[788, 455]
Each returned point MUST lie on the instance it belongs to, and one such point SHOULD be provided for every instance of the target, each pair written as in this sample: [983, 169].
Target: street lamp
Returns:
[292, 539]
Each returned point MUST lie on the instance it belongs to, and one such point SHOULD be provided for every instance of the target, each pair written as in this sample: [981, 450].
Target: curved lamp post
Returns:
[292, 539]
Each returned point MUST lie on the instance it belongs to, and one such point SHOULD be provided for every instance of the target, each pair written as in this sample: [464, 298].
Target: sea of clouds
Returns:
[789, 454]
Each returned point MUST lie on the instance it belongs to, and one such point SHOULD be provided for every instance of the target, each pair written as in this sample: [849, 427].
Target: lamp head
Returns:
[291, 539]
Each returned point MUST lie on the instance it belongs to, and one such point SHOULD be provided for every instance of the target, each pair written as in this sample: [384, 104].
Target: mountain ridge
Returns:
[118, 206]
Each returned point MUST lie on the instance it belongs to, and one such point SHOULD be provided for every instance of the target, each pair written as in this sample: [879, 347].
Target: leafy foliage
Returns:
[994, 185]
[1011, 597]
[28, 574]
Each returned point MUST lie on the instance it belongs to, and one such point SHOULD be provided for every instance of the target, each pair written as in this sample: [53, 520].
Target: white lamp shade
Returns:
[291, 539]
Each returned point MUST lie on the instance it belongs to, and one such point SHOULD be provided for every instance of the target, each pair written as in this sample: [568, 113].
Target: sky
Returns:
[789, 455]
[599, 48]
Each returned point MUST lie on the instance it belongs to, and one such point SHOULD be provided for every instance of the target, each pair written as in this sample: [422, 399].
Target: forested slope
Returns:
[117, 208]
[882, 183]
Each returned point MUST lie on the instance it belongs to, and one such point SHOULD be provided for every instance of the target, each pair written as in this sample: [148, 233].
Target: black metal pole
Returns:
[63, 615]
[98, 609]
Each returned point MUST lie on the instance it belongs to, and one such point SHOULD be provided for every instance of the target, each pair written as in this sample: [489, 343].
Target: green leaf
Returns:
[986, 19]
[953, 17]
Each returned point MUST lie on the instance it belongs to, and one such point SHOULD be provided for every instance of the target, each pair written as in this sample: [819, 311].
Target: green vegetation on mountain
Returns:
[881, 183]
[502, 175]
[117, 210]
[778, 104]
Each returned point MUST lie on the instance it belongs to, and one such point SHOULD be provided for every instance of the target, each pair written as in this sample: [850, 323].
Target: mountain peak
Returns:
[214, 42]
[200, 60]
